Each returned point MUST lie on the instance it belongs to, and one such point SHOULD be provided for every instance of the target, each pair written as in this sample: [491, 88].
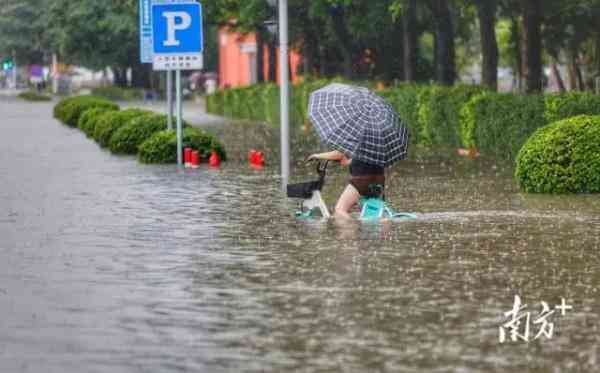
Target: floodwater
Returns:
[107, 265]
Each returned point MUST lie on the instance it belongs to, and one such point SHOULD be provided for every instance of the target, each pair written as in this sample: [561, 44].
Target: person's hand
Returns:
[310, 158]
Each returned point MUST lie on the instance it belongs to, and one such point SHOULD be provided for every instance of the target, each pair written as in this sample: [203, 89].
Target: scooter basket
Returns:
[303, 190]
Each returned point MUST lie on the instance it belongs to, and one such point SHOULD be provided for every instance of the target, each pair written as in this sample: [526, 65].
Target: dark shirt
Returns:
[360, 168]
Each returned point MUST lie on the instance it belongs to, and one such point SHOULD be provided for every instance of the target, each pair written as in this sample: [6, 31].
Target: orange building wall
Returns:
[237, 59]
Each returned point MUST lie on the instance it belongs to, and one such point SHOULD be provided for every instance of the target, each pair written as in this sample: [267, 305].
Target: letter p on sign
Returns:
[176, 21]
[176, 28]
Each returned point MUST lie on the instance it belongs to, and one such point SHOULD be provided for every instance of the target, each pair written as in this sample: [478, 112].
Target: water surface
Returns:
[112, 266]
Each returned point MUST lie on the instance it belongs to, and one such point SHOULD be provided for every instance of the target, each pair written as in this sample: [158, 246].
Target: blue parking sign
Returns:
[177, 35]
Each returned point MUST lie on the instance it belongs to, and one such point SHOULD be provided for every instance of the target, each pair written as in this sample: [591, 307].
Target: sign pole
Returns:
[177, 44]
[285, 92]
[179, 112]
[14, 70]
[54, 73]
[169, 100]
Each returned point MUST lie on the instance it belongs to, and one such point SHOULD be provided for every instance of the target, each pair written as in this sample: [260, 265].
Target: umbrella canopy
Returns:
[358, 123]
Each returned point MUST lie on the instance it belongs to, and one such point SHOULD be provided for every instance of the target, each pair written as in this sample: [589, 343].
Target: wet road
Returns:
[107, 265]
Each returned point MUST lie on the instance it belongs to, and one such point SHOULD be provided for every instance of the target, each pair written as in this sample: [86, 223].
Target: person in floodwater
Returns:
[366, 180]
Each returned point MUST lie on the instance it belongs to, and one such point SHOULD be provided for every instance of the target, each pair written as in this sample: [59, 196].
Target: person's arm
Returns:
[329, 156]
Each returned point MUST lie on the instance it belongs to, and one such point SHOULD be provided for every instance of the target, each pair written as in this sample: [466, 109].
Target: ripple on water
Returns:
[110, 266]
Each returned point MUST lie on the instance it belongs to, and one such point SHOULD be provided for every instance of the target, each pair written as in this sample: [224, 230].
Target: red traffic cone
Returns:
[187, 157]
[259, 159]
[214, 160]
[194, 159]
[256, 158]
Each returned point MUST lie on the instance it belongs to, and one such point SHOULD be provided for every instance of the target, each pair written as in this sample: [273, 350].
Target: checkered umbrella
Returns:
[358, 123]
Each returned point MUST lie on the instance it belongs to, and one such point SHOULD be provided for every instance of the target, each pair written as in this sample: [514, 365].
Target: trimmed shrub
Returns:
[118, 93]
[109, 123]
[271, 106]
[70, 109]
[561, 106]
[563, 157]
[261, 102]
[439, 113]
[498, 124]
[214, 103]
[406, 100]
[129, 137]
[87, 120]
[162, 146]
[34, 96]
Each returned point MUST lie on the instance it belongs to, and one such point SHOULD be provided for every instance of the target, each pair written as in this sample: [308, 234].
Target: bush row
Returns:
[261, 102]
[132, 131]
[499, 123]
[495, 123]
[70, 109]
[162, 147]
[118, 93]
[34, 96]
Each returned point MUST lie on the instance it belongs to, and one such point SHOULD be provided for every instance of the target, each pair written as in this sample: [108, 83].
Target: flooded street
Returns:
[108, 265]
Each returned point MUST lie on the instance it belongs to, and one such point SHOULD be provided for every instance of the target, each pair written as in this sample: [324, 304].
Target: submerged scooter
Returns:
[312, 204]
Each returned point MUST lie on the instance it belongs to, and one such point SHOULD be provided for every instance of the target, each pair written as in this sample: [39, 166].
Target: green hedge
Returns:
[109, 123]
[561, 106]
[89, 119]
[34, 96]
[118, 93]
[439, 113]
[406, 100]
[162, 146]
[563, 157]
[70, 109]
[128, 138]
[261, 102]
[133, 131]
[214, 103]
[498, 124]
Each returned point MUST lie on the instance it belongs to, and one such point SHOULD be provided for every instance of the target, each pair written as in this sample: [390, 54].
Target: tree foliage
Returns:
[23, 30]
[413, 40]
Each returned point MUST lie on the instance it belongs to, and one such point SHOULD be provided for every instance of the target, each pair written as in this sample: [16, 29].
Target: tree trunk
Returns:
[515, 41]
[308, 61]
[310, 53]
[344, 40]
[444, 36]
[532, 45]
[119, 76]
[290, 72]
[322, 63]
[272, 60]
[559, 81]
[486, 11]
[388, 56]
[579, 76]
[411, 51]
[575, 77]
[260, 56]
[141, 75]
[572, 78]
